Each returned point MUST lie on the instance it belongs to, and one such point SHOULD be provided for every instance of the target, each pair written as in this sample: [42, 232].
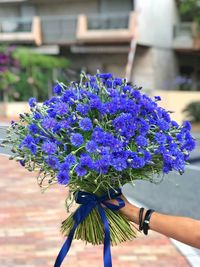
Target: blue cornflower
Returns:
[161, 150]
[119, 164]
[48, 123]
[95, 103]
[105, 75]
[80, 171]
[70, 159]
[61, 108]
[117, 81]
[28, 140]
[157, 98]
[64, 166]
[53, 162]
[187, 125]
[147, 156]
[30, 143]
[132, 107]
[85, 124]
[143, 126]
[160, 138]
[33, 128]
[91, 146]
[57, 89]
[166, 168]
[56, 128]
[104, 150]
[138, 163]
[189, 144]
[180, 136]
[136, 94]
[86, 160]
[37, 116]
[53, 100]
[98, 134]
[174, 124]
[141, 141]
[91, 78]
[106, 160]
[65, 124]
[166, 116]
[168, 158]
[127, 88]
[49, 147]
[51, 113]
[82, 108]
[63, 177]
[32, 102]
[68, 96]
[102, 165]
[76, 139]
[163, 125]
[125, 124]
[33, 148]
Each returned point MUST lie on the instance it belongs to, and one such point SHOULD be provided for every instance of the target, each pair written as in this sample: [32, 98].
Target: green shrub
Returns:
[193, 111]
[190, 10]
[24, 73]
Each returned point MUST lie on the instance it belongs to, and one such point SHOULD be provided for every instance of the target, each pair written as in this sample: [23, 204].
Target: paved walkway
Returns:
[30, 237]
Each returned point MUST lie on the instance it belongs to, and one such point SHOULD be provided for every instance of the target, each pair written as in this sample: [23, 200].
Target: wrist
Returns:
[131, 212]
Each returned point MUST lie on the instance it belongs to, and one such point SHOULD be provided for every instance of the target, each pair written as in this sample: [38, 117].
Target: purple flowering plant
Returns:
[97, 135]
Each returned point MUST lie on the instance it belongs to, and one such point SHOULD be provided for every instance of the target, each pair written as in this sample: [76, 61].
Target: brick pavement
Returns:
[30, 237]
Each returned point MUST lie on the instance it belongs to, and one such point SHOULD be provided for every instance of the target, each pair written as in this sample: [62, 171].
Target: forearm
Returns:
[183, 229]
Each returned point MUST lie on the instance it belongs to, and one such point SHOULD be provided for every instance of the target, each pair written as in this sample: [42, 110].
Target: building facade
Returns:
[96, 34]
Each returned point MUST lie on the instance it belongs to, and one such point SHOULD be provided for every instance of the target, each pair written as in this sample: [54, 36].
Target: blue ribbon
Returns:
[89, 202]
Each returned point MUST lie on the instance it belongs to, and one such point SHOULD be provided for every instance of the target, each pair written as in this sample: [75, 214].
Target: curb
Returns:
[191, 254]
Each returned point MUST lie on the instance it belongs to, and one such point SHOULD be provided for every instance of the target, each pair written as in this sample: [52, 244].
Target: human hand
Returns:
[129, 210]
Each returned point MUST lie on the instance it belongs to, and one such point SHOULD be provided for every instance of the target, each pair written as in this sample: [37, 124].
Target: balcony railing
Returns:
[93, 28]
[16, 25]
[66, 30]
[20, 30]
[59, 30]
[108, 22]
[106, 28]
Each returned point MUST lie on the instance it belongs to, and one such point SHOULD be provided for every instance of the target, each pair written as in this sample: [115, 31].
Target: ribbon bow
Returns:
[89, 201]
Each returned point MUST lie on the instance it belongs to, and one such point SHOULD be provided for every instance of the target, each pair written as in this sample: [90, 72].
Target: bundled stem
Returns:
[91, 230]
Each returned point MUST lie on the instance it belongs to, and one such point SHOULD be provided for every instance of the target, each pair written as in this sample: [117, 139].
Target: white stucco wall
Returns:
[165, 65]
[7, 11]
[155, 22]
[143, 71]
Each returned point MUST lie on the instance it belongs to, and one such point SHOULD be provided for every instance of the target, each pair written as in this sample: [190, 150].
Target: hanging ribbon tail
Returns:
[107, 252]
[65, 248]
[79, 216]
[88, 202]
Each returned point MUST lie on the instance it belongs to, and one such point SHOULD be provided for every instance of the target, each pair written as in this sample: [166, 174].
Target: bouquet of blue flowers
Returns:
[93, 137]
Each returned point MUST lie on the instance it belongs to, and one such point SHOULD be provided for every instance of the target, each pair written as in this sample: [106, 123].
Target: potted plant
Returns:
[192, 111]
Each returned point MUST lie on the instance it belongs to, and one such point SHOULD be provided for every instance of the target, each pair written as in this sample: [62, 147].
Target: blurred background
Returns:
[154, 44]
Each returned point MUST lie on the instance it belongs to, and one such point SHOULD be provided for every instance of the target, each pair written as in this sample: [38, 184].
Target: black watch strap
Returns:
[141, 219]
[146, 221]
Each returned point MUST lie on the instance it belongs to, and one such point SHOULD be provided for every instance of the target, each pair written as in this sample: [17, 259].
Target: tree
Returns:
[8, 73]
[39, 72]
[190, 10]
[24, 73]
